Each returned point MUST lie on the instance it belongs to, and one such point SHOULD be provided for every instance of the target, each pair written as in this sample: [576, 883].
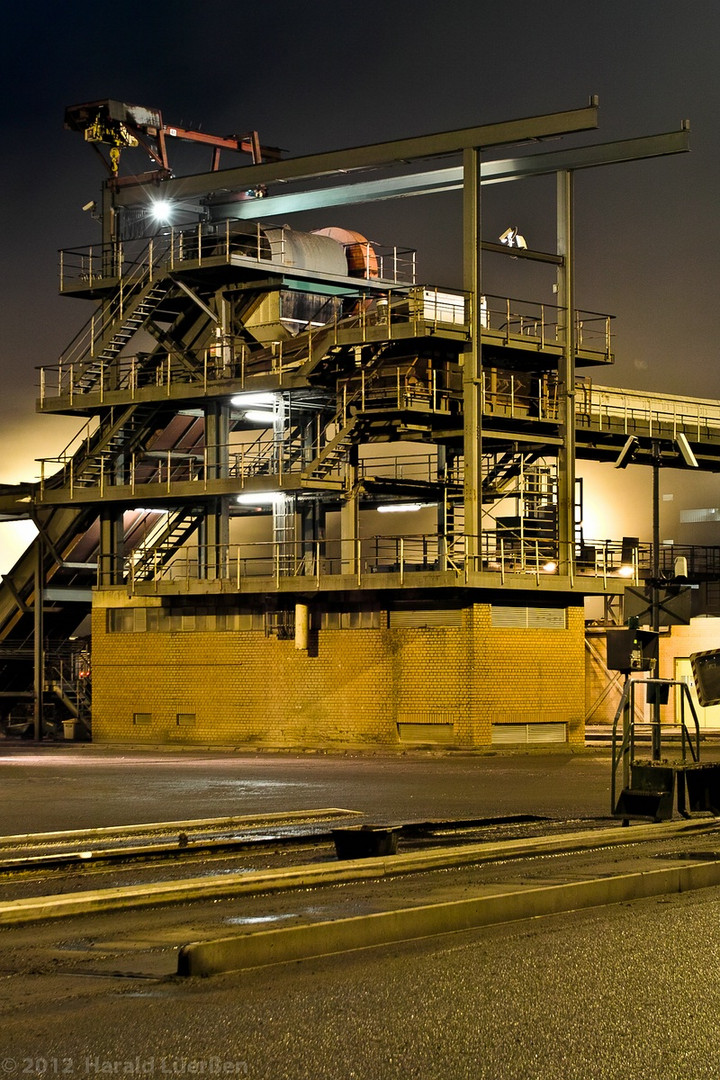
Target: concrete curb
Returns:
[37, 909]
[388, 927]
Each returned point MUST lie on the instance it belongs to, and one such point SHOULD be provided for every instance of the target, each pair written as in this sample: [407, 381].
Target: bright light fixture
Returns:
[251, 401]
[550, 566]
[259, 498]
[626, 571]
[512, 238]
[161, 211]
[261, 416]
[401, 508]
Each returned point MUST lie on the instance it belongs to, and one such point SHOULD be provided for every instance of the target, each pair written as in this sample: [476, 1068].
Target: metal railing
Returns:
[103, 264]
[626, 412]
[495, 553]
[544, 324]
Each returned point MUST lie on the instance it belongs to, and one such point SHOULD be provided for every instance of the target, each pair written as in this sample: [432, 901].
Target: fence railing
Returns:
[102, 264]
[545, 324]
[496, 552]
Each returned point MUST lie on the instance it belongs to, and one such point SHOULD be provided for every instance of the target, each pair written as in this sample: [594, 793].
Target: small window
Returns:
[121, 620]
[142, 719]
[185, 719]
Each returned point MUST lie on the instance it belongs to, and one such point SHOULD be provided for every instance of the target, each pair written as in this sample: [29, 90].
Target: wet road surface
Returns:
[626, 991]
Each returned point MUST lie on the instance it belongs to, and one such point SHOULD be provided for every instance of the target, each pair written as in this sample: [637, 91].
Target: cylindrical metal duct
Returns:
[359, 252]
[302, 626]
[307, 251]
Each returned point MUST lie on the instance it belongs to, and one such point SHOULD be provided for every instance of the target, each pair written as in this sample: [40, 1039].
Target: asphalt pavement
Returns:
[624, 991]
[56, 786]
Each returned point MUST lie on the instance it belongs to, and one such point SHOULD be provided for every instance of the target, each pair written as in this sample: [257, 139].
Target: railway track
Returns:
[39, 865]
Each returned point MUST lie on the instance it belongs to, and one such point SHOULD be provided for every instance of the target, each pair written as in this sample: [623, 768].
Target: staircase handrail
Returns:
[131, 281]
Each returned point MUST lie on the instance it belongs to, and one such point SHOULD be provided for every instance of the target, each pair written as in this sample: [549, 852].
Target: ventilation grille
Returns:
[529, 618]
[504, 734]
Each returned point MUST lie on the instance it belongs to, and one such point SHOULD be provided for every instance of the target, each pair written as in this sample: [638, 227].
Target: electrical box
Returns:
[632, 650]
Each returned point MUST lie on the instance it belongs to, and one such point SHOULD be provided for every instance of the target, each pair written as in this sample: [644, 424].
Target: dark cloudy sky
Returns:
[321, 75]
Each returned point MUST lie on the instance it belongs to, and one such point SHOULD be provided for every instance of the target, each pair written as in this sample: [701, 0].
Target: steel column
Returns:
[38, 638]
[472, 360]
[566, 374]
[215, 534]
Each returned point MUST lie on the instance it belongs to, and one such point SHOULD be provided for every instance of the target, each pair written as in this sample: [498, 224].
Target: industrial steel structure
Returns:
[254, 393]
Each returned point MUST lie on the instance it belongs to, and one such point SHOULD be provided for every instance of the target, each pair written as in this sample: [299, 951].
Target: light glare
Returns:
[400, 508]
[251, 401]
[259, 498]
[260, 416]
[161, 211]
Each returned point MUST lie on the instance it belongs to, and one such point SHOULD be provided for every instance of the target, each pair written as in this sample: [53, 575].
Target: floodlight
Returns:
[261, 416]
[259, 498]
[401, 508]
[256, 400]
[685, 450]
[512, 238]
[161, 211]
[627, 453]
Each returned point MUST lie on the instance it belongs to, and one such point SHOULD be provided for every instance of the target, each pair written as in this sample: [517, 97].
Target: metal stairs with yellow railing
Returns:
[118, 326]
[162, 542]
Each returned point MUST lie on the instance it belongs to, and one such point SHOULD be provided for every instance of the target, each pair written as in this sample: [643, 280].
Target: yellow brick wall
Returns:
[353, 689]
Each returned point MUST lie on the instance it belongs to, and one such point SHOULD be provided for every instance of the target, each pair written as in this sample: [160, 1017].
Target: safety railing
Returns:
[358, 319]
[461, 556]
[545, 324]
[102, 264]
[629, 412]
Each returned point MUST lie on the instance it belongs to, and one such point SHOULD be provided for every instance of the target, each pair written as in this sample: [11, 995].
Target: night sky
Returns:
[324, 75]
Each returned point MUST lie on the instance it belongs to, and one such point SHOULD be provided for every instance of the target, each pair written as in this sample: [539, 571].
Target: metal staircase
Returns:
[161, 543]
[119, 433]
[502, 470]
[110, 329]
[120, 334]
[335, 453]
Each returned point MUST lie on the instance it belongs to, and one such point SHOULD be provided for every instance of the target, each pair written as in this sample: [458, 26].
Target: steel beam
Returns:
[375, 155]
[438, 181]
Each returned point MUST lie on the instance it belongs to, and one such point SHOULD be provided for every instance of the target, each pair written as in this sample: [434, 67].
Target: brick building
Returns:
[258, 397]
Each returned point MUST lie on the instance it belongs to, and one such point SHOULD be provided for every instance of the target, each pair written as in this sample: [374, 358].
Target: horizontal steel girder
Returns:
[443, 180]
[375, 155]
